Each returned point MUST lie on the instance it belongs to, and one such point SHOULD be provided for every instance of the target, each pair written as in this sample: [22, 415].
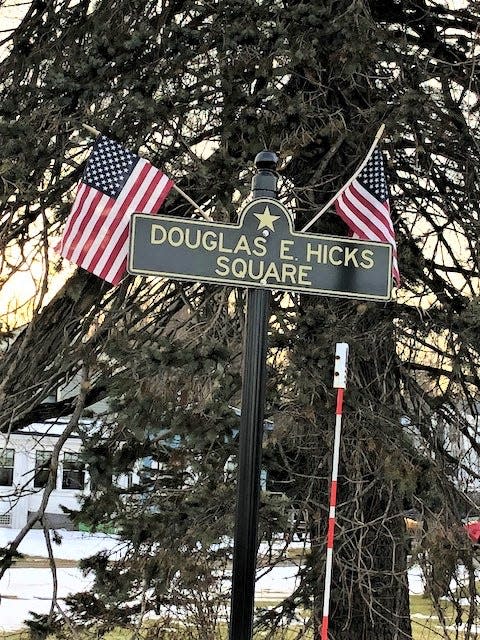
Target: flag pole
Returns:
[375, 142]
[339, 383]
[92, 130]
[204, 214]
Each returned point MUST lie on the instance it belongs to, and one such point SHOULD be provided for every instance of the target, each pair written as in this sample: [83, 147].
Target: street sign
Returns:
[262, 250]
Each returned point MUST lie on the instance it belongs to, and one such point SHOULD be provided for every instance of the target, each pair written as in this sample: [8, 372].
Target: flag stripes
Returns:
[115, 266]
[360, 206]
[115, 184]
[365, 226]
[365, 209]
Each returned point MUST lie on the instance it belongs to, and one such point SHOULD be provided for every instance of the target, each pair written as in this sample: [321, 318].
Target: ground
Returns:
[28, 586]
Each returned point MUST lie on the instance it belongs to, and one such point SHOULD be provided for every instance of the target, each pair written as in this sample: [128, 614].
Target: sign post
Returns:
[264, 184]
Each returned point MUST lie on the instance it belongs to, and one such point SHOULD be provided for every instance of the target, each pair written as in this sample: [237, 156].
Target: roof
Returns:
[53, 428]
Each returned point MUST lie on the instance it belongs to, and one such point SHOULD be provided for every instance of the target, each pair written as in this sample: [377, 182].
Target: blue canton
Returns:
[109, 167]
[372, 177]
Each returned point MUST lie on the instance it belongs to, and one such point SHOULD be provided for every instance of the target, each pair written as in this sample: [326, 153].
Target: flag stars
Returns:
[109, 167]
[373, 179]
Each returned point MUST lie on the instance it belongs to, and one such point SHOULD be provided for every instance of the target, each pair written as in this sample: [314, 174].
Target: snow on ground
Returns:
[74, 544]
[280, 581]
[24, 590]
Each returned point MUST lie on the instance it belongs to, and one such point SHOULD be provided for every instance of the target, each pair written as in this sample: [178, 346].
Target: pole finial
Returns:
[264, 182]
[266, 160]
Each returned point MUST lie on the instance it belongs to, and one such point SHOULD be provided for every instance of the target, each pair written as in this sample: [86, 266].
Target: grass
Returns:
[37, 562]
[425, 621]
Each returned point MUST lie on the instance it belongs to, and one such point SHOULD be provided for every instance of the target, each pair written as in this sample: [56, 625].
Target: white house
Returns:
[24, 459]
[24, 468]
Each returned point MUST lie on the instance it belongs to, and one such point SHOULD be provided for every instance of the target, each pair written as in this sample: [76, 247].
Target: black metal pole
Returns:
[264, 185]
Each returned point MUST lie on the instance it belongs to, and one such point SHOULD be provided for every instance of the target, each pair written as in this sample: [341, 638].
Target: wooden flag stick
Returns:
[94, 132]
[347, 184]
[204, 214]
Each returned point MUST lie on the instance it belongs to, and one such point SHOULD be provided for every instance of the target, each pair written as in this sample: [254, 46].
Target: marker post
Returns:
[339, 383]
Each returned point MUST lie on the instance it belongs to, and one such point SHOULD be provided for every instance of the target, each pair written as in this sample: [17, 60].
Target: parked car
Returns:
[473, 530]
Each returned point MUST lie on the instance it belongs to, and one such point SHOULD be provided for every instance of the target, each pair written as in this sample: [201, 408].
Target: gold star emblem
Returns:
[266, 219]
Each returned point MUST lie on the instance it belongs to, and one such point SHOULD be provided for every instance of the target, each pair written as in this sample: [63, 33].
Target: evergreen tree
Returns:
[200, 88]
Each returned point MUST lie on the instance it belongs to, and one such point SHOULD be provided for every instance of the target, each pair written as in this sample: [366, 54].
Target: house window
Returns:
[7, 457]
[42, 468]
[73, 472]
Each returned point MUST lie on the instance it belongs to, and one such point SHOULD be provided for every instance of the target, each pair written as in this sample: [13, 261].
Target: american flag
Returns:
[365, 208]
[115, 184]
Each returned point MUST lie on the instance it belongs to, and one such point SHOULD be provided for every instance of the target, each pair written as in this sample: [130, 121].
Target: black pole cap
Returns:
[266, 160]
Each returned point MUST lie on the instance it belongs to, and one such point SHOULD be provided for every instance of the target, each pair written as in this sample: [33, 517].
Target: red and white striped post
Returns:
[339, 383]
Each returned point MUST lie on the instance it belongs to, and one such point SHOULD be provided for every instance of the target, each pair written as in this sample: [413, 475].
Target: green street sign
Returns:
[262, 250]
